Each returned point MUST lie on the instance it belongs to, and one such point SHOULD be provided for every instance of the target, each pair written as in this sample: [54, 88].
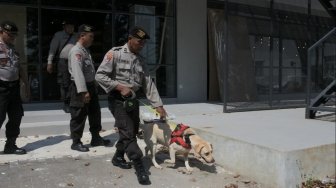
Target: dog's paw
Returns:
[184, 171]
[158, 166]
[169, 161]
[189, 170]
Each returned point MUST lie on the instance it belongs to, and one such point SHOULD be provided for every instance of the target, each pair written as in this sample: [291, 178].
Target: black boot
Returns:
[78, 146]
[141, 173]
[11, 148]
[97, 140]
[119, 160]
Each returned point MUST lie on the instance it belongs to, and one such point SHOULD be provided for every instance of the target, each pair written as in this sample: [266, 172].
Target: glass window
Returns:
[87, 4]
[160, 7]
[52, 22]
[274, 43]
[159, 50]
[112, 20]
[26, 42]
[32, 53]
[19, 1]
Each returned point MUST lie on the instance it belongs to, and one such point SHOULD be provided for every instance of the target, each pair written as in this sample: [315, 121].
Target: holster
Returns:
[130, 104]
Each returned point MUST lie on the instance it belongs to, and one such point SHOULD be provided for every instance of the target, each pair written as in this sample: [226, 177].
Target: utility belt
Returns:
[9, 83]
[128, 103]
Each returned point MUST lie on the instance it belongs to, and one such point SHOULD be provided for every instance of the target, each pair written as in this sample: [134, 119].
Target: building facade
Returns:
[38, 20]
[247, 54]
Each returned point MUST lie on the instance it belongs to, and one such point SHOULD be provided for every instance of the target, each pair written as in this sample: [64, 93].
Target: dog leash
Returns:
[150, 108]
[157, 114]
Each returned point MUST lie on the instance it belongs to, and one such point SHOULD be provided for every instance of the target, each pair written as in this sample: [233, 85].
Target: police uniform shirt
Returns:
[65, 51]
[81, 67]
[121, 66]
[58, 41]
[9, 62]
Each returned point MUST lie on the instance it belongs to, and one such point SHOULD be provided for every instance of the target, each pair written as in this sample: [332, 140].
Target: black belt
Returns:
[9, 83]
[117, 96]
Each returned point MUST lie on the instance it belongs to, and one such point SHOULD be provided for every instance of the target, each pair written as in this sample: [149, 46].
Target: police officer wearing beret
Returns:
[123, 75]
[10, 99]
[83, 92]
[60, 46]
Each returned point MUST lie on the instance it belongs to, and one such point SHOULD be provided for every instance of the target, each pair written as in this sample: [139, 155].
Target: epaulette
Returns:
[117, 48]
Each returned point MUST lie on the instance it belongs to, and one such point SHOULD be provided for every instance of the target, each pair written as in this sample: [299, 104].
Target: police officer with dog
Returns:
[83, 92]
[10, 75]
[123, 75]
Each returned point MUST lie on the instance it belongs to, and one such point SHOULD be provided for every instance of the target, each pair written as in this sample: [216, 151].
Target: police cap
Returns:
[85, 28]
[9, 27]
[68, 21]
[139, 33]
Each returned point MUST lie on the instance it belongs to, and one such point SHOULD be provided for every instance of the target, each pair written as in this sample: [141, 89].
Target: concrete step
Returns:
[278, 148]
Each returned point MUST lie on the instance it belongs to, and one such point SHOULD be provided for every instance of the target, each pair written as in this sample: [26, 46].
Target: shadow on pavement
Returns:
[51, 140]
[113, 137]
[193, 162]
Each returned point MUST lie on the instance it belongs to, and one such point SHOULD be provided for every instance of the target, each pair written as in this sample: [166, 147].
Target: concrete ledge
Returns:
[278, 148]
[271, 167]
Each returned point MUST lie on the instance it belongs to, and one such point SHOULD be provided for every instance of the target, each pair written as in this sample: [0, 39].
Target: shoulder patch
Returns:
[109, 56]
[79, 57]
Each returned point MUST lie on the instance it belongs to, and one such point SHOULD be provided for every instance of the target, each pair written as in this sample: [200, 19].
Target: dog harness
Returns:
[178, 134]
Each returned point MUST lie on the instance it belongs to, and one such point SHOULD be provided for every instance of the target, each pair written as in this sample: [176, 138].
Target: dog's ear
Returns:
[198, 148]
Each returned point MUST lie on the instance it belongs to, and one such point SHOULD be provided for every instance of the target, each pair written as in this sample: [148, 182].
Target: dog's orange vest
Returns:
[177, 136]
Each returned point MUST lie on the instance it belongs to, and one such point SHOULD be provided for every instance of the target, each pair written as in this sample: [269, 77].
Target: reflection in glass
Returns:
[159, 49]
[157, 17]
[88, 4]
[19, 1]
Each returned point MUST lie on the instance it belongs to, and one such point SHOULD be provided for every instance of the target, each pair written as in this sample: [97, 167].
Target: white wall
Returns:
[191, 50]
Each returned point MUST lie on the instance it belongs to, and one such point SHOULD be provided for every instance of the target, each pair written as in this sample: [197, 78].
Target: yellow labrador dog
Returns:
[179, 139]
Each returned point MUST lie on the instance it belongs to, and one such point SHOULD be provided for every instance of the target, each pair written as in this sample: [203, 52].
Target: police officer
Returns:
[123, 75]
[10, 99]
[60, 46]
[83, 92]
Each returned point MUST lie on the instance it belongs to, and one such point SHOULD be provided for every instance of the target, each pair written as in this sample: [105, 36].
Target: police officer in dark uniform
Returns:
[83, 92]
[123, 75]
[10, 99]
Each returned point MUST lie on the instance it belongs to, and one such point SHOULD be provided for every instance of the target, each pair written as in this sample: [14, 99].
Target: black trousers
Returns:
[80, 111]
[128, 126]
[63, 79]
[11, 104]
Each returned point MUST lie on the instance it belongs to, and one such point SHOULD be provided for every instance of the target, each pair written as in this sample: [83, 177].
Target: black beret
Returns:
[139, 33]
[9, 26]
[85, 28]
